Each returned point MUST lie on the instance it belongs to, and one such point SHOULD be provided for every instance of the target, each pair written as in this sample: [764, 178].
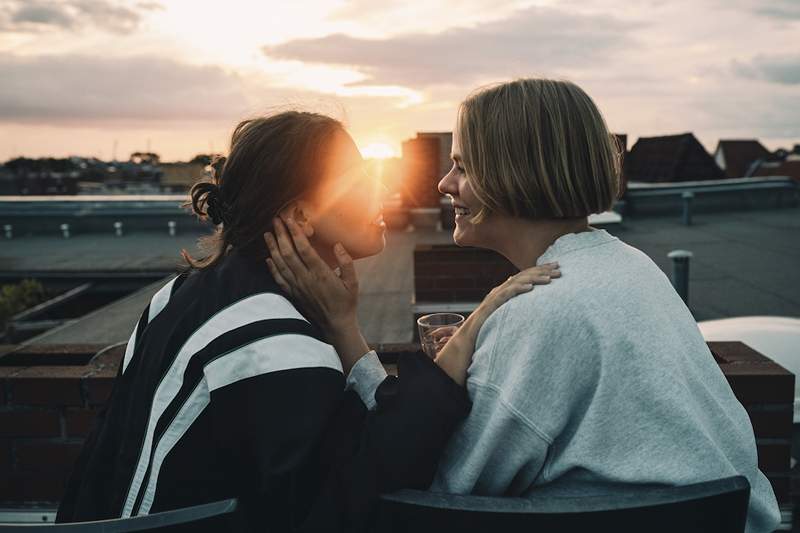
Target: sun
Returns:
[377, 150]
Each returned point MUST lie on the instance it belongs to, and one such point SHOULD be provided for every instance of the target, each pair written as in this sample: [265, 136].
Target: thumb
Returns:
[346, 265]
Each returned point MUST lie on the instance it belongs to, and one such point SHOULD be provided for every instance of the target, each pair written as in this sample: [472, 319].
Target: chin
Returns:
[367, 249]
[461, 237]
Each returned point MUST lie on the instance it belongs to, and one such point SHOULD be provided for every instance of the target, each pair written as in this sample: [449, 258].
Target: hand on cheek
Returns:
[307, 228]
[301, 219]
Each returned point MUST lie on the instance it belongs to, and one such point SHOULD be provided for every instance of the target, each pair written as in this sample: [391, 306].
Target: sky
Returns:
[106, 77]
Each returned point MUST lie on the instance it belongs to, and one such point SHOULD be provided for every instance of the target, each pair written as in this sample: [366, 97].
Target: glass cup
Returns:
[436, 329]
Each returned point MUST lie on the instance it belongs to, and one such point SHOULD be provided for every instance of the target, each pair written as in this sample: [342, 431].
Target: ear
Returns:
[300, 211]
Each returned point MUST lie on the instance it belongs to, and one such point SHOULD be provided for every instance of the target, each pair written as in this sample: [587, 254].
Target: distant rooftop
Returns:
[737, 157]
[670, 158]
[144, 251]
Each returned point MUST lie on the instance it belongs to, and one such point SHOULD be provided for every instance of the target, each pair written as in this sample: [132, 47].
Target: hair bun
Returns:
[206, 202]
[217, 167]
[215, 206]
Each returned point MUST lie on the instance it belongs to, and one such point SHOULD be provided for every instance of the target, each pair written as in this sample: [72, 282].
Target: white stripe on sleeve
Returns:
[254, 308]
[270, 354]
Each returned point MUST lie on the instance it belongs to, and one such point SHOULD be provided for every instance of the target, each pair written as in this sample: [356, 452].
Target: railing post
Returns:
[688, 197]
[680, 272]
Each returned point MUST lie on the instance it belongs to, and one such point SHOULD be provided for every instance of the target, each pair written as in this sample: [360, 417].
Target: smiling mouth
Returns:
[461, 211]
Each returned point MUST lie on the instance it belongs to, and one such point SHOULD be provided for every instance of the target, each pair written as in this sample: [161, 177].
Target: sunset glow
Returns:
[378, 150]
[177, 75]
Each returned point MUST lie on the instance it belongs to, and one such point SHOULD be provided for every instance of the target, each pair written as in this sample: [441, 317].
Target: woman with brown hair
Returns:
[228, 389]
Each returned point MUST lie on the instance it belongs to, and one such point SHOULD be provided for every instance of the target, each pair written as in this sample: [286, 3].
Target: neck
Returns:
[524, 241]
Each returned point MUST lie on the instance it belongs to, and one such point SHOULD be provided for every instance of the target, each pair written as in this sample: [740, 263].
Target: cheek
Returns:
[336, 224]
[467, 195]
[342, 224]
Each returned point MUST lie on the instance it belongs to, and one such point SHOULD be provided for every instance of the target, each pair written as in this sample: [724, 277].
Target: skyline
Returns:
[180, 75]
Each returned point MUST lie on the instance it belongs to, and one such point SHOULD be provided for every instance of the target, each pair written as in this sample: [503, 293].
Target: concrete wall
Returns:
[50, 394]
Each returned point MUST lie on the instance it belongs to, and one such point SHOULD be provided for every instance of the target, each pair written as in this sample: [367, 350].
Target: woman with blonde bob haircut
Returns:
[537, 149]
[598, 382]
[602, 380]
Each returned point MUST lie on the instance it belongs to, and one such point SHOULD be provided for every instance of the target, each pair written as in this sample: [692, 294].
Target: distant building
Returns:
[40, 176]
[422, 168]
[670, 158]
[739, 158]
[445, 147]
[780, 163]
[8, 183]
[180, 175]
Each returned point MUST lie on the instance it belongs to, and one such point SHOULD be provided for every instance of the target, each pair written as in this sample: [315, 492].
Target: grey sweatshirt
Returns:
[598, 381]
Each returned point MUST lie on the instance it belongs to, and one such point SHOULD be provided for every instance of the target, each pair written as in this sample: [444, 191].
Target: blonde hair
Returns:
[538, 148]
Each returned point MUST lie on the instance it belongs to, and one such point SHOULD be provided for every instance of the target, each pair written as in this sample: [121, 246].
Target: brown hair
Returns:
[272, 162]
[538, 148]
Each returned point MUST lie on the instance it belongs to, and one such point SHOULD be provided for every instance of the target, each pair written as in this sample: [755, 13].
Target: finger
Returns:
[443, 332]
[346, 265]
[537, 273]
[307, 253]
[288, 251]
[277, 259]
[278, 278]
[532, 276]
[541, 269]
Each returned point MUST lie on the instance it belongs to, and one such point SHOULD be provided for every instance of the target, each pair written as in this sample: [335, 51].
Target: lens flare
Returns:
[378, 150]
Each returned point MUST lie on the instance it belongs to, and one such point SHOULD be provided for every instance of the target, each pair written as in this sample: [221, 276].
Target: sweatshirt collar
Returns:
[571, 242]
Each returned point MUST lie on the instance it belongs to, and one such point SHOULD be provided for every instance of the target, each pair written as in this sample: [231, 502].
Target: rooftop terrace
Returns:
[745, 263]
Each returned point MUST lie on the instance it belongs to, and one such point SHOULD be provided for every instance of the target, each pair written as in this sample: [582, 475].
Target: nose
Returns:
[448, 185]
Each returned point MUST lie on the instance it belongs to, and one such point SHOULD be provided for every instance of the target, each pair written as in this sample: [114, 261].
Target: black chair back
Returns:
[718, 506]
[216, 516]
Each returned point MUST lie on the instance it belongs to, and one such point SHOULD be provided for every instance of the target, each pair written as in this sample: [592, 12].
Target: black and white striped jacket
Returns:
[227, 390]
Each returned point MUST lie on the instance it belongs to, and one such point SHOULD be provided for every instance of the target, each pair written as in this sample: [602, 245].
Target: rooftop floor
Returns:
[745, 263]
[95, 252]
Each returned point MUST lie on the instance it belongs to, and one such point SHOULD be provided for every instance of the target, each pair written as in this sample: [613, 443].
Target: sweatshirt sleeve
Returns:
[365, 377]
[496, 452]
[523, 385]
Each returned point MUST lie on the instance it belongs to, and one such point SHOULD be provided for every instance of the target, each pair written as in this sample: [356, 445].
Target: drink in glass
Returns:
[436, 329]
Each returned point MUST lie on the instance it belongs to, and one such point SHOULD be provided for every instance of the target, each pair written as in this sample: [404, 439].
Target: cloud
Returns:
[77, 88]
[81, 90]
[394, 17]
[782, 69]
[535, 40]
[779, 9]
[41, 15]
[150, 6]
[35, 16]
